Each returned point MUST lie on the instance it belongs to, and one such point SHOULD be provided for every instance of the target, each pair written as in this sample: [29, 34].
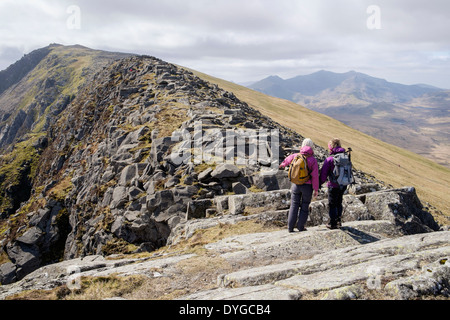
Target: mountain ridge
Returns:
[312, 84]
[29, 106]
[403, 115]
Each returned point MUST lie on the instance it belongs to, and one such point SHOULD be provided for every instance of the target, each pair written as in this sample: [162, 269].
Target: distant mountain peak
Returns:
[274, 77]
[389, 111]
[323, 80]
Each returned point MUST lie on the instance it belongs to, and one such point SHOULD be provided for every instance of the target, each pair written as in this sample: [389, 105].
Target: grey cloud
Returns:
[252, 38]
[8, 55]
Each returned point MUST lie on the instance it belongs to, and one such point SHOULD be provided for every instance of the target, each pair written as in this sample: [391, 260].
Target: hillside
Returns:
[35, 91]
[402, 115]
[394, 165]
[15, 72]
[149, 171]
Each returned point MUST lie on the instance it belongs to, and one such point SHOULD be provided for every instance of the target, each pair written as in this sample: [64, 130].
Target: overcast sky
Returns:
[404, 41]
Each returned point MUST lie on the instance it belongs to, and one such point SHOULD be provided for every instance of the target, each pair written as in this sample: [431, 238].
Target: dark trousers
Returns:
[335, 196]
[300, 199]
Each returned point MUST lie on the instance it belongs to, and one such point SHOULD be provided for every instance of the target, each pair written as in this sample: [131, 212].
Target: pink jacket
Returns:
[312, 165]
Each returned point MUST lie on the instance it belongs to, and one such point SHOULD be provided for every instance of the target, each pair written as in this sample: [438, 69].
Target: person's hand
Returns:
[281, 167]
[316, 193]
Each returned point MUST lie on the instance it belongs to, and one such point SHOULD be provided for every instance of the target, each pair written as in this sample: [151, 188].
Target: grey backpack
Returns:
[342, 173]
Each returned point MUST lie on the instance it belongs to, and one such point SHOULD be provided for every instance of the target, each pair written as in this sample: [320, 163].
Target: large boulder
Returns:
[159, 202]
[353, 210]
[27, 258]
[128, 173]
[226, 171]
[41, 242]
[269, 181]
[7, 273]
[270, 200]
[197, 208]
[400, 206]
[138, 228]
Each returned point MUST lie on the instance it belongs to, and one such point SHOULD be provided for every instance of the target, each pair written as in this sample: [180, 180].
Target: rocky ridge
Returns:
[146, 156]
[106, 177]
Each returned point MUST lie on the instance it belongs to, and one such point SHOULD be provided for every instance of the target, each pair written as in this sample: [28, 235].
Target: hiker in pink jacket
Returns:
[301, 194]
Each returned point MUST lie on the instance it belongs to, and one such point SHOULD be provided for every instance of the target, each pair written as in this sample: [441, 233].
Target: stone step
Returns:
[401, 268]
[266, 248]
[347, 265]
[185, 230]
[262, 292]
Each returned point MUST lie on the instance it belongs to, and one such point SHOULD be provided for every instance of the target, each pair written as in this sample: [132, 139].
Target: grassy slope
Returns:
[388, 163]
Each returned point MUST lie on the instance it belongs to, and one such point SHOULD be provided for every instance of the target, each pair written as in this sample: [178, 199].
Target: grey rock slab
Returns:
[239, 188]
[31, 236]
[332, 269]
[54, 275]
[119, 197]
[434, 279]
[144, 267]
[128, 173]
[7, 273]
[205, 174]
[279, 245]
[263, 292]
[271, 181]
[390, 266]
[270, 200]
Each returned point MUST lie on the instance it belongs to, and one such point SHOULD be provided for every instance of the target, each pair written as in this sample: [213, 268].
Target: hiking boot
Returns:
[332, 226]
[339, 223]
[302, 229]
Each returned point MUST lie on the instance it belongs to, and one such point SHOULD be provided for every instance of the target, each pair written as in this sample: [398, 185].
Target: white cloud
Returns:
[247, 40]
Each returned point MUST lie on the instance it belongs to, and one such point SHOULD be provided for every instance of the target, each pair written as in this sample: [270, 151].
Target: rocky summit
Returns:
[148, 174]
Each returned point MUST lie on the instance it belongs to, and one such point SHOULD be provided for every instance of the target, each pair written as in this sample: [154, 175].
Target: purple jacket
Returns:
[312, 165]
[328, 167]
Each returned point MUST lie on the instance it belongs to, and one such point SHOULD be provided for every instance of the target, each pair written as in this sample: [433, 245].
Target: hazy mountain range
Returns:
[415, 117]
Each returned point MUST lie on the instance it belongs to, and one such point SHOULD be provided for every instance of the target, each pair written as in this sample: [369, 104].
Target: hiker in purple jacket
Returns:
[301, 194]
[335, 192]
